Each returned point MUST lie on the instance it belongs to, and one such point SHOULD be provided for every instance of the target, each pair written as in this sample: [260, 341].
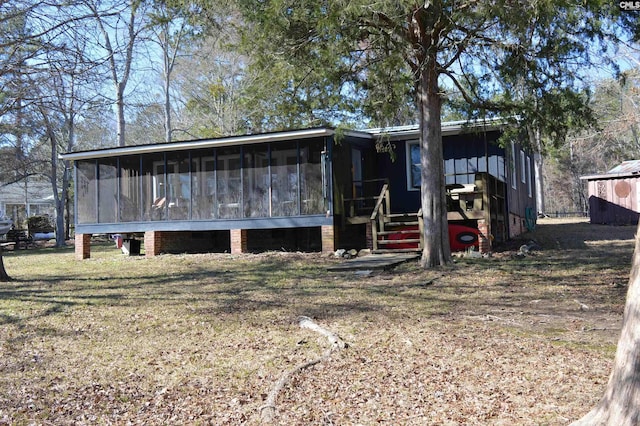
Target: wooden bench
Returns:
[19, 237]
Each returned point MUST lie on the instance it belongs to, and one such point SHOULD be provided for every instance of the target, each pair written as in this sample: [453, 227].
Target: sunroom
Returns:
[233, 194]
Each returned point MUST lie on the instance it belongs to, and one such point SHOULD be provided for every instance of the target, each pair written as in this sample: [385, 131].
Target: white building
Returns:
[21, 200]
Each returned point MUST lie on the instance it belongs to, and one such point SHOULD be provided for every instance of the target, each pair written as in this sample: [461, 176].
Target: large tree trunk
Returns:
[436, 231]
[620, 405]
[120, 121]
[4, 277]
[535, 139]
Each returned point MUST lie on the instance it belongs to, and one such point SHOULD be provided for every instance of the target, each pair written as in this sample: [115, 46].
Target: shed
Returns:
[614, 197]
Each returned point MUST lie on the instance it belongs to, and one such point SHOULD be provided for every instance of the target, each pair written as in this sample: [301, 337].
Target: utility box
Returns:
[131, 247]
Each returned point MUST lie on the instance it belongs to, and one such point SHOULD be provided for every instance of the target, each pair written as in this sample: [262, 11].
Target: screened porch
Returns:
[266, 180]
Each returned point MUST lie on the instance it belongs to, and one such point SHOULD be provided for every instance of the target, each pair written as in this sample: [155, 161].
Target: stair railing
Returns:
[378, 216]
[421, 228]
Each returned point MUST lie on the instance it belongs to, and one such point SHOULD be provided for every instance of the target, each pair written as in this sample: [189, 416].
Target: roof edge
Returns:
[448, 127]
[610, 176]
[201, 143]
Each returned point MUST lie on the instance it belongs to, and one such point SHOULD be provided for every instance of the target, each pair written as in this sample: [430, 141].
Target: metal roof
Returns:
[624, 169]
[629, 167]
[201, 143]
[448, 128]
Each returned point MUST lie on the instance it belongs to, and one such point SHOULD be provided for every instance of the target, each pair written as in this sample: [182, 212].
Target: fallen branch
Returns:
[268, 410]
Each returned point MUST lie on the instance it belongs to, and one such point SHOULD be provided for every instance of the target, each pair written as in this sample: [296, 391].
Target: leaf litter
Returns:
[201, 339]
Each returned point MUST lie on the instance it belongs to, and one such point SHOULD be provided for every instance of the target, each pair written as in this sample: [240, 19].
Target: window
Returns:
[178, 185]
[86, 193]
[229, 183]
[130, 184]
[256, 183]
[413, 166]
[153, 194]
[107, 190]
[203, 185]
[311, 177]
[514, 169]
[523, 167]
[284, 179]
[529, 177]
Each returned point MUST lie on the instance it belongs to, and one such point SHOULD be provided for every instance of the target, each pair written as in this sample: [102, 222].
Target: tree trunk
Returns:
[4, 277]
[120, 122]
[535, 139]
[436, 230]
[620, 405]
[167, 65]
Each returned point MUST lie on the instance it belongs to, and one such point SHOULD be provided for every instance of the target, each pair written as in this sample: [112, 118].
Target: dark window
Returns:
[284, 179]
[87, 196]
[203, 185]
[154, 197]
[130, 189]
[178, 185]
[256, 181]
[311, 189]
[229, 183]
[107, 190]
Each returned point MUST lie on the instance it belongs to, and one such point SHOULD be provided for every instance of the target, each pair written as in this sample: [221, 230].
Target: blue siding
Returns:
[464, 155]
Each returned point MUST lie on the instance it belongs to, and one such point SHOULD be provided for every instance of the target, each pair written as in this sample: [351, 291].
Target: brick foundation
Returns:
[369, 235]
[484, 238]
[516, 225]
[83, 246]
[152, 243]
[327, 233]
[238, 241]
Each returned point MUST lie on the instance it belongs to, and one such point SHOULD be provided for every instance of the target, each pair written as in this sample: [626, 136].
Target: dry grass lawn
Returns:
[202, 339]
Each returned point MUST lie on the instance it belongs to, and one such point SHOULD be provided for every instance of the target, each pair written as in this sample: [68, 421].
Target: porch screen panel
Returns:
[312, 199]
[87, 196]
[154, 197]
[228, 183]
[203, 185]
[284, 179]
[178, 185]
[130, 194]
[256, 182]
[107, 190]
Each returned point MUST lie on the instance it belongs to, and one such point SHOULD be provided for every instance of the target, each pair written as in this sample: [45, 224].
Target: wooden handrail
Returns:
[378, 213]
[381, 198]
[421, 228]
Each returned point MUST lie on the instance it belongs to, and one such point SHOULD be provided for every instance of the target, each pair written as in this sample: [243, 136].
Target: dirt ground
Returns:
[203, 339]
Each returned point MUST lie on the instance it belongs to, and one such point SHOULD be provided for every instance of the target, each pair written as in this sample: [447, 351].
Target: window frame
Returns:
[409, 165]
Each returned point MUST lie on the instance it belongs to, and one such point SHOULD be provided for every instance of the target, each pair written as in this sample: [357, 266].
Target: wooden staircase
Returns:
[395, 232]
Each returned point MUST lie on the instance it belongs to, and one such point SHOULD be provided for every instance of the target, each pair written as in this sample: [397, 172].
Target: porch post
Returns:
[83, 246]
[238, 241]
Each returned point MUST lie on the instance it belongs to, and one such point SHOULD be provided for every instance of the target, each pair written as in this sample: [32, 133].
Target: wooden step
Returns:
[404, 231]
[395, 223]
[405, 241]
[403, 250]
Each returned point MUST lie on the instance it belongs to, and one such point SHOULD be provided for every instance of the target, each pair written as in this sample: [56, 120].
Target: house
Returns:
[313, 189]
[21, 200]
[614, 197]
